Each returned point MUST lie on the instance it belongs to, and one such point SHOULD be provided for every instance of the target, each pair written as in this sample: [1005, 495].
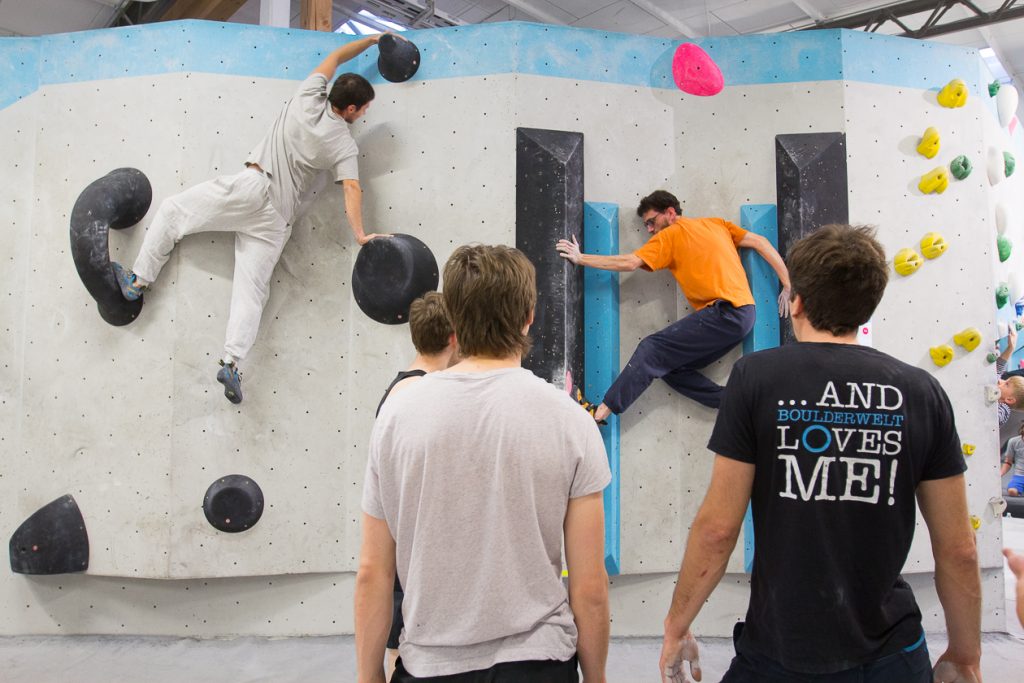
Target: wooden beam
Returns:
[316, 15]
[214, 10]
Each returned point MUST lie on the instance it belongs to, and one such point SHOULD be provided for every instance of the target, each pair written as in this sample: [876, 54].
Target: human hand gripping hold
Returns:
[675, 651]
[373, 235]
[570, 251]
[784, 296]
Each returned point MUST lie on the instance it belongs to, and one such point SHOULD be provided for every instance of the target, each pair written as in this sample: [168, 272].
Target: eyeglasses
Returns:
[649, 223]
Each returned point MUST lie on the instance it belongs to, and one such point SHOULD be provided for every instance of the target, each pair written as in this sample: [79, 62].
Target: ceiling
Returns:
[665, 18]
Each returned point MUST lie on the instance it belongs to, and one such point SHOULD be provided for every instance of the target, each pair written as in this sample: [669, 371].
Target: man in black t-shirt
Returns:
[830, 442]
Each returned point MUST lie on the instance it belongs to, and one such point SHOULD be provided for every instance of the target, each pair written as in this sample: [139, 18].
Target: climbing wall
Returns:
[130, 421]
[947, 294]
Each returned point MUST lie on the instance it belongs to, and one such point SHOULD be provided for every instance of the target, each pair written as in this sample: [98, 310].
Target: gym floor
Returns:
[117, 659]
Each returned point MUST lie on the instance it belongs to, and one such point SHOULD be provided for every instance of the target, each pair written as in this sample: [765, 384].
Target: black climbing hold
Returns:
[52, 541]
[390, 273]
[116, 201]
[399, 58]
[811, 188]
[549, 207]
[233, 503]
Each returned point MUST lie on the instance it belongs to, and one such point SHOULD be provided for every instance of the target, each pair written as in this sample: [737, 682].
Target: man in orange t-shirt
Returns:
[702, 255]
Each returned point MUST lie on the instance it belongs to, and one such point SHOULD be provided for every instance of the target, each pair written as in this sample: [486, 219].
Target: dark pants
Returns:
[540, 671]
[396, 616]
[911, 665]
[676, 353]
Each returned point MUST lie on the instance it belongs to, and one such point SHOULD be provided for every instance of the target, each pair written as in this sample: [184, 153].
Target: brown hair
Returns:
[840, 272]
[660, 201]
[490, 292]
[429, 324]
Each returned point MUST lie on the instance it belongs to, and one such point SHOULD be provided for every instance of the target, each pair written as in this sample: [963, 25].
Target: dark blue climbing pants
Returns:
[676, 353]
[911, 665]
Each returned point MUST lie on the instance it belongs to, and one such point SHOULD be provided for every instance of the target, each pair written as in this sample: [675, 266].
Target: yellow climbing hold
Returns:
[929, 145]
[933, 245]
[942, 354]
[935, 180]
[954, 94]
[968, 448]
[976, 522]
[968, 338]
[907, 261]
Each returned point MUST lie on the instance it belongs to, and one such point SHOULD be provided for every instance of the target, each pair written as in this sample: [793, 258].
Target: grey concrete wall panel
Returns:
[116, 201]
[390, 273]
[52, 541]
[549, 207]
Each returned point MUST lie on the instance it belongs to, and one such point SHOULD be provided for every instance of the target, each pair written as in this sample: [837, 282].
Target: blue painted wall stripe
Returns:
[601, 352]
[760, 219]
[480, 50]
[19, 69]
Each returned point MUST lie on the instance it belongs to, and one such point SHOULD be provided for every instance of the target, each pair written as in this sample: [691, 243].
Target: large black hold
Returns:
[399, 58]
[811, 188]
[52, 541]
[390, 273]
[116, 201]
[233, 503]
[549, 207]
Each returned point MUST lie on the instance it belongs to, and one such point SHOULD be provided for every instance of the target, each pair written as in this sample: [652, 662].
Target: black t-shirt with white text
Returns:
[840, 436]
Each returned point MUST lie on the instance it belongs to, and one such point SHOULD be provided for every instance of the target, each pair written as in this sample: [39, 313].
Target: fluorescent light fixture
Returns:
[994, 65]
[380, 20]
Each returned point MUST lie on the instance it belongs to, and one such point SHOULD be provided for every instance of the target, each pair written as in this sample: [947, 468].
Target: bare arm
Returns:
[588, 582]
[943, 504]
[622, 263]
[710, 543]
[343, 54]
[763, 247]
[354, 211]
[374, 594]
[1016, 562]
[1011, 344]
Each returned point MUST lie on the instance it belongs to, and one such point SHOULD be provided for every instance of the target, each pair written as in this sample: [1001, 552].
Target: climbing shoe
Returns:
[126, 281]
[591, 408]
[229, 377]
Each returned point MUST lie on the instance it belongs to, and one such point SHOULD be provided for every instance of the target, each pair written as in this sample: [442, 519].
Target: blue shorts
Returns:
[1016, 482]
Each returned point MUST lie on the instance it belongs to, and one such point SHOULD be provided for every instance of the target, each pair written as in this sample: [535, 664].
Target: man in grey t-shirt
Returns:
[259, 204]
[474, 475]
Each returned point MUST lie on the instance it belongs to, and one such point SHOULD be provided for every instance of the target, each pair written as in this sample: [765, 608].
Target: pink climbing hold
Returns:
[695, 72]
[1013, 124]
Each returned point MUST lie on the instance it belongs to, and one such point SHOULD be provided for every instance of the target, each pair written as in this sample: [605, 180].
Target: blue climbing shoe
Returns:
[228, 376]
[126, 280]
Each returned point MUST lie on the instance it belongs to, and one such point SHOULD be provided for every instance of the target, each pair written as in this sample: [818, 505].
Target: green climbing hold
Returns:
[960, 167]
[991, 358]
[993, 88]
[1005, 246]
[1002, 294]
[1011, 163]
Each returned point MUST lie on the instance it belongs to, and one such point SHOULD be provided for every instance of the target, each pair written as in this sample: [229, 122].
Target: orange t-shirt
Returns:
[702, 255]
